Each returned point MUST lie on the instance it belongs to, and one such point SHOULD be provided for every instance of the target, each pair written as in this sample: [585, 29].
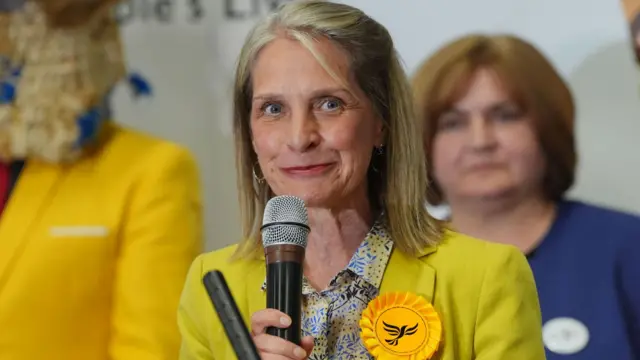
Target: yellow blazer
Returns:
[93, 255]
[484, 292]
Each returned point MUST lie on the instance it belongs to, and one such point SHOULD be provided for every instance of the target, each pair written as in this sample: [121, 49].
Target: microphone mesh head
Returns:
[285, 221]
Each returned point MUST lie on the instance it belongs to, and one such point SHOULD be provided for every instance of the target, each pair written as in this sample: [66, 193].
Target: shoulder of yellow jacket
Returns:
[127, 148]
[468, 253]
[455, 241]
[135, 141]
[223, 261]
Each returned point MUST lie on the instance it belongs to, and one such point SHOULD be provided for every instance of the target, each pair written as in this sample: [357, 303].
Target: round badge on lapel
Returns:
[400, 326]
[565, 335]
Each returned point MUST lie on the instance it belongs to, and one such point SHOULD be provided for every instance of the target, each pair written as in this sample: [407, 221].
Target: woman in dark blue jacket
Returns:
[500, 142]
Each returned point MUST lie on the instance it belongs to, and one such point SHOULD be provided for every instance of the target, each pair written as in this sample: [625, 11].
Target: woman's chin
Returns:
[493, 193]
[487, 189]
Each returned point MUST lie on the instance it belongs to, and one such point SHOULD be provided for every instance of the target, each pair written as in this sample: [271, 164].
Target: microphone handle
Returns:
[229, 315]
[284, 293]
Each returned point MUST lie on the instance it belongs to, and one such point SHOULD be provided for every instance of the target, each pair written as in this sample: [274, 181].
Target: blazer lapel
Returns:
[256, 297]
[409, 274]
[31, 193]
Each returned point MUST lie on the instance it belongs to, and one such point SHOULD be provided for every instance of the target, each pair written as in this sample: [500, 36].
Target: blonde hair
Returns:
[397, 179]
[528, 77]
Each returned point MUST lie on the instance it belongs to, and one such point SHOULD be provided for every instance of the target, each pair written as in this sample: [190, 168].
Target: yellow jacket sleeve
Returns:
[161, 237]
[194, 340]
[508, 323]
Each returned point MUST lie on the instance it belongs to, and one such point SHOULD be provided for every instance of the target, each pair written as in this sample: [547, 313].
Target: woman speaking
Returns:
[323, 112]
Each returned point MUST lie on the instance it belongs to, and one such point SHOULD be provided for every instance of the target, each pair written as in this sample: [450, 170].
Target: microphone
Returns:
[285, 228]
[229, 315]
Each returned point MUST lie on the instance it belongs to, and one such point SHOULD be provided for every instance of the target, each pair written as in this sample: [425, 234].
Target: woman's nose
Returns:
[304, 131]
[482, 134]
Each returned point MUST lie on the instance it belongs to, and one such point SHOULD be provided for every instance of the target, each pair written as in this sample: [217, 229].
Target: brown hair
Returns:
[396, 182]
[531, 81]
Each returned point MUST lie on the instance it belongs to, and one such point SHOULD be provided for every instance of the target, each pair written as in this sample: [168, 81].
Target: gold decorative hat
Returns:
[59, 61]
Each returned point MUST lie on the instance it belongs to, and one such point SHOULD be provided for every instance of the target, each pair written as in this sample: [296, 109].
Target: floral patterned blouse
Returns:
[331, 316]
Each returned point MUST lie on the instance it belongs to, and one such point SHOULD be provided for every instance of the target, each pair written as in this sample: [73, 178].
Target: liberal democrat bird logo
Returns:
[398, 332]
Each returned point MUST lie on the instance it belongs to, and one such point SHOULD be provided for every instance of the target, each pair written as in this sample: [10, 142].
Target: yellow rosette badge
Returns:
[400, 325]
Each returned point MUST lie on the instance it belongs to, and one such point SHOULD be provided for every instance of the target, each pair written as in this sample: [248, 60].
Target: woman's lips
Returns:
[485, 167]
[307, 170]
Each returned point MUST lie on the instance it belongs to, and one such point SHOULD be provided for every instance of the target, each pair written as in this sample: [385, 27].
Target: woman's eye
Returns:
[450, 122]
[272, 109]
[331, 105]
[507, 115]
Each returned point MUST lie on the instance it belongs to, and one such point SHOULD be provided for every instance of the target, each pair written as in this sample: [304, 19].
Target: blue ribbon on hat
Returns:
[91, 121]
[7, 93]
[89, 125]
[139, 85]
[8, 86]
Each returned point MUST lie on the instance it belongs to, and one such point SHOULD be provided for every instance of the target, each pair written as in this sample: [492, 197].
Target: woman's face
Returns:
[314, 137]
[485, 146]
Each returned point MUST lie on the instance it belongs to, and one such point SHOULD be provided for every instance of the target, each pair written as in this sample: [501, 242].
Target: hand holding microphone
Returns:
[272, 347]
[277, 329]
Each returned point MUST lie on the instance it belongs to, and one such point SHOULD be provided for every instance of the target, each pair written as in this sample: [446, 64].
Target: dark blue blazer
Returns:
[587, 270]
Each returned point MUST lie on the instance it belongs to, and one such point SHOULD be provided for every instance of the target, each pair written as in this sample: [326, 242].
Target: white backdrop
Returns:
[189, 61]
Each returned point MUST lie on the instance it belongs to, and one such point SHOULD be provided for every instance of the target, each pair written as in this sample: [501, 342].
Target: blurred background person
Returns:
[499, 134]
[632, 13]
[101, 222]
[323, 111]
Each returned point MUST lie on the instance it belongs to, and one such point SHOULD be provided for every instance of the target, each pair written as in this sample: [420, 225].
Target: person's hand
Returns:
[272, 347]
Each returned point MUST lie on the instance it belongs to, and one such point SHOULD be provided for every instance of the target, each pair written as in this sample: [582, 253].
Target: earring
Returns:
[259, 180]
[379, 150]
